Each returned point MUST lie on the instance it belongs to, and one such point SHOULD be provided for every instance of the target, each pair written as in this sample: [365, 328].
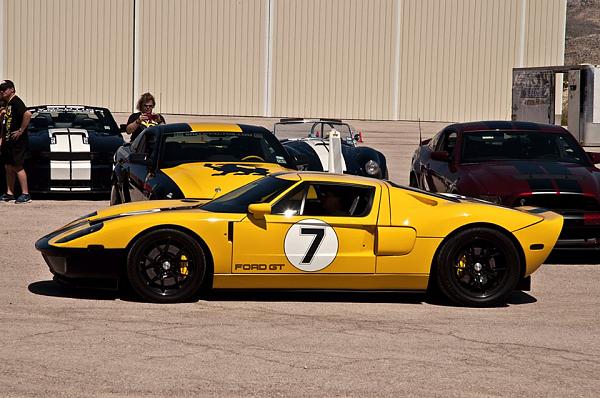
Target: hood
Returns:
[320, 147]
[133, 208]
[209, 180]
[516, 177]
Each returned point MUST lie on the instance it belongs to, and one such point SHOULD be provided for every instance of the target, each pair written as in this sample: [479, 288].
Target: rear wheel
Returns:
[478, 267]
[166, 266]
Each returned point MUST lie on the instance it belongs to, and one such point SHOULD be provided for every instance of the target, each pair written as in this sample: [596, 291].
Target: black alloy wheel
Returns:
[478, 267]
[166, 266]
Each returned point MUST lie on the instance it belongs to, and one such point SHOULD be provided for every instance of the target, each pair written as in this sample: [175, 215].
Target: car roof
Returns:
[487, 125]
[207, 127]
[325, 176]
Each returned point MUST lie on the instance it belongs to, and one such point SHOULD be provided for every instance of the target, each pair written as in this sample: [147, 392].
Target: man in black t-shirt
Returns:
[14, 142]
[138, 121]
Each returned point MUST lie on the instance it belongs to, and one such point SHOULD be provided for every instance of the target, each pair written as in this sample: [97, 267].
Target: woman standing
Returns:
[146, 117]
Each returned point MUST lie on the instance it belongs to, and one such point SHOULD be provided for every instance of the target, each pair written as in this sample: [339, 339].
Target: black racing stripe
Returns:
[556, 168]
[248, 128]
[535, 184]
[66, 155]
[565, 184]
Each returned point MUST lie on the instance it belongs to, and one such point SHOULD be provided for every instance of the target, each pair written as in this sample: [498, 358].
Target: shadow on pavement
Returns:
[54, 289]
[326, 296]
[574, 256]
[71, 196]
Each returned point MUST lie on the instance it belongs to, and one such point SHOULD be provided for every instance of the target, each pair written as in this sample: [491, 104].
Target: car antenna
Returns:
[420, 138]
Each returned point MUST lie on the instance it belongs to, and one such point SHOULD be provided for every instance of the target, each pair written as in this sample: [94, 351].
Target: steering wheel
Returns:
[253, 157]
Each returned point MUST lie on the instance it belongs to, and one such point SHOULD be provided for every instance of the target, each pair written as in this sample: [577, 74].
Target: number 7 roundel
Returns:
[311, 245]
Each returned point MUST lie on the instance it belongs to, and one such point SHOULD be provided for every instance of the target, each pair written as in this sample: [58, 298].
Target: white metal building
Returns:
[444, 60]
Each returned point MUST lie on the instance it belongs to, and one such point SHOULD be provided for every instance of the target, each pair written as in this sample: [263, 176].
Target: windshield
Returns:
[259, 191]
[187, 147]
[91, 119]
[318, 129]
[521, 145]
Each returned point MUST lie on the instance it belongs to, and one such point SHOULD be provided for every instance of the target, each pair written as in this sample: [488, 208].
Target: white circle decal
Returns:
[311, 245]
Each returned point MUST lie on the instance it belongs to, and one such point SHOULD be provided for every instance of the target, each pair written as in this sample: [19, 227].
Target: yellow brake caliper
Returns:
[462, 264]
[183, 265]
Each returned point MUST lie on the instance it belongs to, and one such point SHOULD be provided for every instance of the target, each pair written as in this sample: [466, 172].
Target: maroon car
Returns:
[516, 164]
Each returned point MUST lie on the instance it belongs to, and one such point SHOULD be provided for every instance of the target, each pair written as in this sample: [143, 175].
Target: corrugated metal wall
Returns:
[369, 59]
[70, 51]
[204, 56]
[458, 64]
[333, 58]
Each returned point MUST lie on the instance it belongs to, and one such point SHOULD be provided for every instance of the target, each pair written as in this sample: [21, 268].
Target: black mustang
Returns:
[72, 148]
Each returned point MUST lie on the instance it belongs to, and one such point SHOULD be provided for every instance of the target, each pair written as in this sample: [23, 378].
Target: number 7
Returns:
[319, 233]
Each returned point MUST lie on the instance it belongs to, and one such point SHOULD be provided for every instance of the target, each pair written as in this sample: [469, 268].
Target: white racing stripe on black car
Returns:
[68, 141]
[321, 147]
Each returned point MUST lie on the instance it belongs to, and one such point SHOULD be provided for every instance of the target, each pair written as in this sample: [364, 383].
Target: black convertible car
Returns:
[72, 148]
[308, 138]
[195, 161]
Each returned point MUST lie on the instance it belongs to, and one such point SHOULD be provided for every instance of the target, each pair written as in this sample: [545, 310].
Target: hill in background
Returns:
[582, 44]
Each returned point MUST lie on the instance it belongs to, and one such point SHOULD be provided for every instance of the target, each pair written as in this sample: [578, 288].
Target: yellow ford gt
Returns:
[308, 230]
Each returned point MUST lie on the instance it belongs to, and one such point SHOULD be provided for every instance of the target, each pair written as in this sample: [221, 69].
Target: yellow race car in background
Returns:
[308, 230]
[199, 161]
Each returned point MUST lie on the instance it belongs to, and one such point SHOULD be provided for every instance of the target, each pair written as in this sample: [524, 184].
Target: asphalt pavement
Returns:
[58, 342]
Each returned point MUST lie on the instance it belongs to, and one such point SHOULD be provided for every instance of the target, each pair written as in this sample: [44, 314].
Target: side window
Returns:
[434, 141]
[292, 204]
[330, 200]
[144, 143]
[137, 143]
[447, 142]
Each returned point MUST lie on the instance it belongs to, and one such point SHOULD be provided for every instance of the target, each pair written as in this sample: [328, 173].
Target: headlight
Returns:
[372, 168]
[491, 198]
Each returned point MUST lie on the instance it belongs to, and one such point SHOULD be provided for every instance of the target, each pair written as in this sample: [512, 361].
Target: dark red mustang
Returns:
[516, 164]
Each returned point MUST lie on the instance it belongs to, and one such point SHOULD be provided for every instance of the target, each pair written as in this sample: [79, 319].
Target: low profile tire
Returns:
[478, 267]
[166, 266]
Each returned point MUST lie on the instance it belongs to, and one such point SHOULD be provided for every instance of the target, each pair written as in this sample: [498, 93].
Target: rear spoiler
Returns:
[304, 120]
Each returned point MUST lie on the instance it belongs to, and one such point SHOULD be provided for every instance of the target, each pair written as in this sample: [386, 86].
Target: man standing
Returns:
[14, 142]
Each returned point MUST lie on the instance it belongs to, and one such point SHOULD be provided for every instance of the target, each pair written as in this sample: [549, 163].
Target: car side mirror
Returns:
[594, 157]
[139, 158]
[123, 128]
[442, 156]
[259, 210]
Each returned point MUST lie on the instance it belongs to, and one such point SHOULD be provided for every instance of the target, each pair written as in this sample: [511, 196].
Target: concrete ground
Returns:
[58, 342]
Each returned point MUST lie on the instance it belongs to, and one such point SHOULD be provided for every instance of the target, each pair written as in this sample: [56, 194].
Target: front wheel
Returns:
[478, 267]
[166, 266]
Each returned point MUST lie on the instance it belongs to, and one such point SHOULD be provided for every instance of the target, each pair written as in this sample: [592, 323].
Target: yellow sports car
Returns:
[199, 161]
[308, 230]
